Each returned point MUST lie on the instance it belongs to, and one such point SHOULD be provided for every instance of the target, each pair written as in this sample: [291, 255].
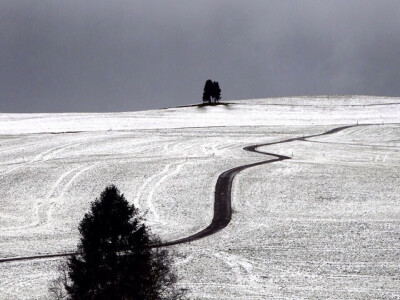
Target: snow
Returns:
[324, 224]
[260, 112]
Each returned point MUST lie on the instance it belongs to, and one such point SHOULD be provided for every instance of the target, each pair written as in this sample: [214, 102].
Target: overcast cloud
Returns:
[61, 56]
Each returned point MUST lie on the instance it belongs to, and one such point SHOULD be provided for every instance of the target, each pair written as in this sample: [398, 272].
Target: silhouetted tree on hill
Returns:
[115, 259]
[207, 91]
[216, 92]
[211, 92]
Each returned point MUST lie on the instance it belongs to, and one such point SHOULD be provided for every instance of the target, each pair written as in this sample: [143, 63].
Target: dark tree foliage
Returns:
[115, 260]
[207, 92]
[216, 91]
[211, 92]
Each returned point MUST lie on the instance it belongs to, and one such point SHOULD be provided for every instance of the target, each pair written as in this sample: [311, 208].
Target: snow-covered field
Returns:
[325, 224]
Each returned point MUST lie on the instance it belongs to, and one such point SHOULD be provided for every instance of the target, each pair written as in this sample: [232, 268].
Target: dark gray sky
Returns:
[74, 55]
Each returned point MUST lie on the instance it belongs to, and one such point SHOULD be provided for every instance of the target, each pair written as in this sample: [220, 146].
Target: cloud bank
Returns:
[58, 56]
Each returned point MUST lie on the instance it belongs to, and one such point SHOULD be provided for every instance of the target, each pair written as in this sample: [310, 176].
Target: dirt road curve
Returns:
[223, 187]
[222, 202]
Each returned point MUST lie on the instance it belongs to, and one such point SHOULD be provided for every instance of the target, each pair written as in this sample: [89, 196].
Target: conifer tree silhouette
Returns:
[207, 91]
[211, 92]
[216, 92]
[115, 259]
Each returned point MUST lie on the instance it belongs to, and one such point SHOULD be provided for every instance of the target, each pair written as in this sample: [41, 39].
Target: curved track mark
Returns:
[142, 188]
[150, 197]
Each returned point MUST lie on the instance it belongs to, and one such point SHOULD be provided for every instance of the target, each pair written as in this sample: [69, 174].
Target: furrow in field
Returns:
[150, 197]
[143, 187]
[52, 201]
[48, 153]
[43, 207]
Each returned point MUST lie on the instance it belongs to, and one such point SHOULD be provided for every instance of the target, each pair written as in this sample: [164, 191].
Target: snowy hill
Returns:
[317, 110]
[323, 223]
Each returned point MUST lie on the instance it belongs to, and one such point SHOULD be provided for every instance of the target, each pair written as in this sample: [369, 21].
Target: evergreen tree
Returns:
[211, 92]
[207, 91]
[115, 259]
[216, 91]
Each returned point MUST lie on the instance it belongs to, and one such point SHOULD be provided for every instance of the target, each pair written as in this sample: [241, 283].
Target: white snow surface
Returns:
[323, 225]
[259, 112]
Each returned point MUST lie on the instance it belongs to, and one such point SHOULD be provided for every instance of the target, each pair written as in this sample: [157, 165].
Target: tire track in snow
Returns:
[49, 212]
[43, 208]
[185, 260]
[42, 214]
[242, 269]
[10, 170]
[41, 157]
[136, 201]
[150, 204]
[46, 155]
[222, 203]
[46, 207]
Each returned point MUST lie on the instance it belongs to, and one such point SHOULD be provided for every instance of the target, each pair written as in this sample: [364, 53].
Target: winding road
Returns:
[223, 188]
[222, 199]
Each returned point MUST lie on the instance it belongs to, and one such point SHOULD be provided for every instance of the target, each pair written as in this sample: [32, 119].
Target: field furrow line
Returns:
[142, 188]
[150, 203]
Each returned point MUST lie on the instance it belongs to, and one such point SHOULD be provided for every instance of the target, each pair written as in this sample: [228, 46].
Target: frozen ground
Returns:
[325, 224]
